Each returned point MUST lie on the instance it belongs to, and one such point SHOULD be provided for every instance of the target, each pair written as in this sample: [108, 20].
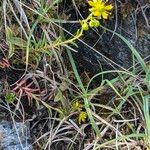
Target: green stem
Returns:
[86, 101]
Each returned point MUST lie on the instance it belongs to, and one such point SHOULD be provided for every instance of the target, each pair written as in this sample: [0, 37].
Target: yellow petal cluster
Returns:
[82, 117]
[100, 9]
[76, 106]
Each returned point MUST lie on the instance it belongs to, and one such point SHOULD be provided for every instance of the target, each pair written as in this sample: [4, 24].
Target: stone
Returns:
[14, 136]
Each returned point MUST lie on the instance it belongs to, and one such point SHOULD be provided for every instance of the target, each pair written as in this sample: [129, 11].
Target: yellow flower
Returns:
[100, 9]
[76, 106]
[82, 117]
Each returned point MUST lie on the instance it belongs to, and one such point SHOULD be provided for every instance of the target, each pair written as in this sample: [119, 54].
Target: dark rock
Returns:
[133, 27]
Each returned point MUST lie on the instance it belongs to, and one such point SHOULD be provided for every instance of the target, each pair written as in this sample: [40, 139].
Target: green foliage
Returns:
[42, 35]
[10, 97]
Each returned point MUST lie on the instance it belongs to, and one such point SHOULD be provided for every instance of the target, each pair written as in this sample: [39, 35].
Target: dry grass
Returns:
[32, 43]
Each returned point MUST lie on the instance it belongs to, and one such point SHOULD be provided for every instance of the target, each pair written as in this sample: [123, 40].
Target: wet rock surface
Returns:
[14, 136]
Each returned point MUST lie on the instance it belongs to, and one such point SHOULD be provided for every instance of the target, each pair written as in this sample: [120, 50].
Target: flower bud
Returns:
[85, 26]
[94, 23]
[97, 23]
[91, 23]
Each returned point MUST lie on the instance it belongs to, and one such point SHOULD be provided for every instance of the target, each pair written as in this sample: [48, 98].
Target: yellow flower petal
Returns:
[97, 13]
[108, 7]
[82, 117]
[97, 1]
[105, 15]
[91, 3]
